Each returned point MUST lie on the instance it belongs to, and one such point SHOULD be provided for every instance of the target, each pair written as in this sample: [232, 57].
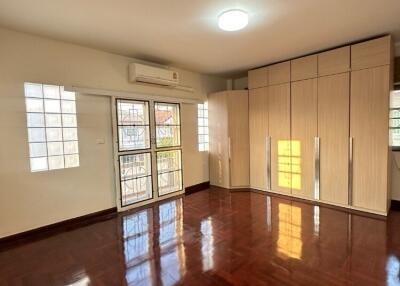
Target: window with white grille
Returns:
[52, 127]
[395, 119]
[202, 123]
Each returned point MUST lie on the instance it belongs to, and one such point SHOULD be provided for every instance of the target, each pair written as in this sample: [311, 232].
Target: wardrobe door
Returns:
[218, 132]
[258, 129]
[369, 130]
[238, 141]
[304, 133]
[279, 132]
[333, 131]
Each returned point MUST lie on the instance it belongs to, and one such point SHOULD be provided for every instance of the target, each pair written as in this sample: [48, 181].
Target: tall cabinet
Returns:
[319, 126]
[229, 139]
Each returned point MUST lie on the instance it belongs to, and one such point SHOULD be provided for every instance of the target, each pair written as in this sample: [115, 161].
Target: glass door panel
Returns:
[168, 124]
[133, 125]
[169, 169]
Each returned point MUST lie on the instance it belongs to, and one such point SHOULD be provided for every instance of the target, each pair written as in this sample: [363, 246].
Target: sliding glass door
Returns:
[148, 151]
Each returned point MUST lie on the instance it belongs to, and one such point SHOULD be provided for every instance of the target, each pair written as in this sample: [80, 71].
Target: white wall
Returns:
[30, 200]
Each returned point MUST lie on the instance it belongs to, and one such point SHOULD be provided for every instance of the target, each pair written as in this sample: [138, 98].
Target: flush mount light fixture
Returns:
[233, 20]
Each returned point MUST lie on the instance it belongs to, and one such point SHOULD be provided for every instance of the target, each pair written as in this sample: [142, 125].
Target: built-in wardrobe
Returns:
[319, 127]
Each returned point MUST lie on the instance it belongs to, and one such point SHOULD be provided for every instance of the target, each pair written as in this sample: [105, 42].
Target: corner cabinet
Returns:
[229, 139]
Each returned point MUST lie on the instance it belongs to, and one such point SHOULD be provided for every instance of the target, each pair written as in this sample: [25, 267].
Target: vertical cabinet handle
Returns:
[350, 186]
[316, 167]
[229, 148]
[268, 160]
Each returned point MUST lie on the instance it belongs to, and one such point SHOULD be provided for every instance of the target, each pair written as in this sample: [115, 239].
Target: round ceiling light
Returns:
[233, 20]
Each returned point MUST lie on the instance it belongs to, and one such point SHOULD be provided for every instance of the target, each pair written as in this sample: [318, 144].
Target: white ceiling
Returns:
[184, 33]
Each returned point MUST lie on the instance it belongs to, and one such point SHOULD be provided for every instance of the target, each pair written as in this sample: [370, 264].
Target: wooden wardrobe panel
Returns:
[238, 133]
[334, 61]
[218, 134]
[279, 131]
[333, 131]
[279, 73]
[258, 130]
[369, 129]
[304, 130]
[370, 54]
[258, 78]
[304, 68]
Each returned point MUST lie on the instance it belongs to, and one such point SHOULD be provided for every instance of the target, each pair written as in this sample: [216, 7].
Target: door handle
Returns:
[350, 174]
[316, 168]
[268, 160]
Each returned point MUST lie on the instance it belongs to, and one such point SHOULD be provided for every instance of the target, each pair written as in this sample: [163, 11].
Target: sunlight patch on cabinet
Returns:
[289, 164]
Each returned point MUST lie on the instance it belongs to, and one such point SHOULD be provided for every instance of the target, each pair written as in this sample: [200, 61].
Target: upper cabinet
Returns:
[334, 61]
[304, 68]
[279, 73]
[258, 78]
[371, 53]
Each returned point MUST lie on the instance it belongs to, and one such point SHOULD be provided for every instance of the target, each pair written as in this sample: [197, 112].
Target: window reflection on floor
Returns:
[137, 247]
[207, 243]
[289, 234]
[289, 164]
[172, 249]
[393, 271]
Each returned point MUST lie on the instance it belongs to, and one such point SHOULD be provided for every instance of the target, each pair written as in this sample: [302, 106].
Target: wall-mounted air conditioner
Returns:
[154, 75]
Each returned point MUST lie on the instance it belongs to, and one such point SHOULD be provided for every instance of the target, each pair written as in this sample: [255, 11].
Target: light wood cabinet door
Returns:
[238, 141]
[258, 78]
[371, 53]
[304, 68]
[279, 132]
[304, 132]
[333, 131]
[334, 61]
[258, 129]
[218, 136]
[279, 73]
[369, 129]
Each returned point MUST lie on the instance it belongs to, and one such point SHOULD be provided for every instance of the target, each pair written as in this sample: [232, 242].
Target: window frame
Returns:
[393, 147]
[172, 125]
[204, 144]
[62, 128]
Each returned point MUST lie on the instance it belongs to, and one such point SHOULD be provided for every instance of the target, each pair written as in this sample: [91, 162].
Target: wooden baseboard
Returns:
[196, 188]
[45, 231]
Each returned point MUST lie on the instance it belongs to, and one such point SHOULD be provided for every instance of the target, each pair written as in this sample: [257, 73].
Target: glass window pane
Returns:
[168, 136]
[54, 134]
[55, 148]
[136, 190]
[35, 120]
[134, 137]
[51, 91]
[71, 161]
[39, 164]
[33, 90]
[36, 135]
[167, 113]
[53, 120]
[69, 120]
[70, 134]
[52, 106]
[37, 149]
[67, 94]
[131, 112]
[133, 166]
[68, 106]
[71, 147]
[394, 123]
[56, 162]
[168, 161]
[34, 105]
[169, 182]
[135, 177]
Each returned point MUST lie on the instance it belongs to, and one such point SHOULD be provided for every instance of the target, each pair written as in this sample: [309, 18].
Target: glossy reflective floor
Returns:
[215, 237]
